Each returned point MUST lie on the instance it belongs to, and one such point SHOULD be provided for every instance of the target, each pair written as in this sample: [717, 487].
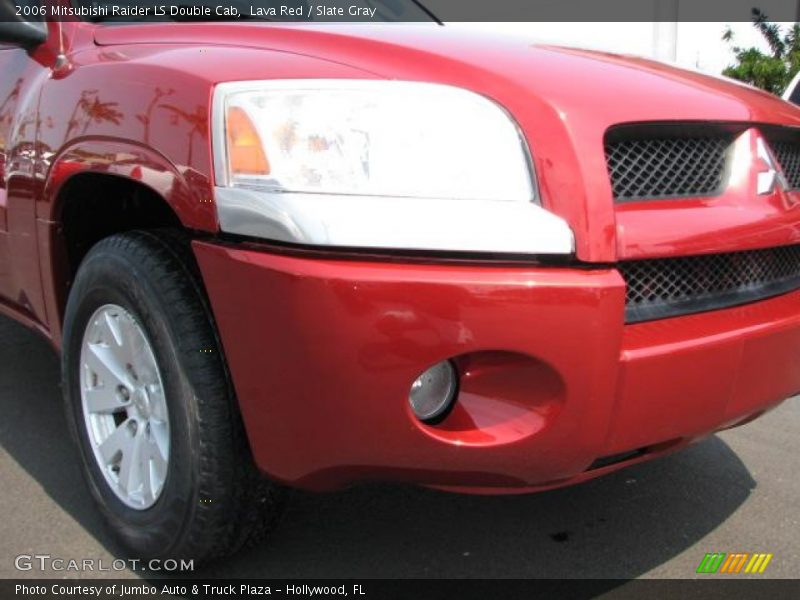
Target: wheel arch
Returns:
[188, 193]
[89, 203]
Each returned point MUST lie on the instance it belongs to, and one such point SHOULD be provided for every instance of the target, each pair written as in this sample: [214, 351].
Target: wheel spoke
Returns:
[159, 433]
[156, 468]
[103, 400]
[147, 492]
[158, 457]
[137, 352]
[126, 342]
[144, 362]
[131, 472]
[155, 395]
[110, 330]
[103, 361]
[120, 441]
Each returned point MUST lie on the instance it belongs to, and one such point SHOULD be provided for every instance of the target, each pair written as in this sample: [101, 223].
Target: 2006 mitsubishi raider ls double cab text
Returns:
[288, 255]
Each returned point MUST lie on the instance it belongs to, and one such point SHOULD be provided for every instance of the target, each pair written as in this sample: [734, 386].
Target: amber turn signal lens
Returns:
[245, 151]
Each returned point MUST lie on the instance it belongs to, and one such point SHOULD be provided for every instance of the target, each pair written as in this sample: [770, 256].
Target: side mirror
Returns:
[24, 31]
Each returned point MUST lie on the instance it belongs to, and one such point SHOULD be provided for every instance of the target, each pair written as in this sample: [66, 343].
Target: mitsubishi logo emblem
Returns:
[772, 176]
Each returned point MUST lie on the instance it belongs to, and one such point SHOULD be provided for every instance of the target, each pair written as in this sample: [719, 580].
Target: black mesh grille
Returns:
[788, 155]
[664, 287]
[653, 167]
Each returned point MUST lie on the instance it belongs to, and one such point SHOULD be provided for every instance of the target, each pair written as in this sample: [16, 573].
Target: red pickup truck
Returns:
[282, 255]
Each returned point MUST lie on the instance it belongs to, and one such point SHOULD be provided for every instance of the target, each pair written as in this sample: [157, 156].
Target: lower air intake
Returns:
[667, 287]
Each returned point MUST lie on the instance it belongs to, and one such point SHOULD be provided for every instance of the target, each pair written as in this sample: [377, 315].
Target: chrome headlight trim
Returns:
[394, 223]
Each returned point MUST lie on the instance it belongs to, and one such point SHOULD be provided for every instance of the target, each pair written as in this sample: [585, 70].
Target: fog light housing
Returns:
[433, 392]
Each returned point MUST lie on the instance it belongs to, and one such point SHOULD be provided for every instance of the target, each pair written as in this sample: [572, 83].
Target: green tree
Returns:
[772, 71]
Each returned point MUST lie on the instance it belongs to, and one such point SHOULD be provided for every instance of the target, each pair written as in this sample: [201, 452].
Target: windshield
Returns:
[266, 10]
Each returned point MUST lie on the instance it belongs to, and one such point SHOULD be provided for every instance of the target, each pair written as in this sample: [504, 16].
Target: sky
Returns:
[699, 45]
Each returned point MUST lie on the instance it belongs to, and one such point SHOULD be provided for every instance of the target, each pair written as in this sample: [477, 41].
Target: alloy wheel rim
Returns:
[124, 406]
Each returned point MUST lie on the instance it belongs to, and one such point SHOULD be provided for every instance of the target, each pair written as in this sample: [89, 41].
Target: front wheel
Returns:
[151, 408]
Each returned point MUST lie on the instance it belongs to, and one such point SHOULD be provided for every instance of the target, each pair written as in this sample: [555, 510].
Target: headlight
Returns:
[376, 164]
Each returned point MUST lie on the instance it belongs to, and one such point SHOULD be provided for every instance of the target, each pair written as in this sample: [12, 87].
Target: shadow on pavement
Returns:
[619, 526]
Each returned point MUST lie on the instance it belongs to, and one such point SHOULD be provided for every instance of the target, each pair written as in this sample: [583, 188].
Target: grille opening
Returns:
[655, 161]
[665, 287]
[785, 145]
[787, 153]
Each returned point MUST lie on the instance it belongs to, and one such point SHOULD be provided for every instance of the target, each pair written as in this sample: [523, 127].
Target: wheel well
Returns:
[95, 206]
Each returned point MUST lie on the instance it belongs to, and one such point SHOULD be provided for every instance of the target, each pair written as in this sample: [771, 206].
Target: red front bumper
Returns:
[323, 352]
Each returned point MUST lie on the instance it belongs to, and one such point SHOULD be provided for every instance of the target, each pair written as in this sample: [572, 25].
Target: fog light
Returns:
[432, 392]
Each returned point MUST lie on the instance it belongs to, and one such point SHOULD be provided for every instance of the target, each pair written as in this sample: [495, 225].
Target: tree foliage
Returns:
[771, 71]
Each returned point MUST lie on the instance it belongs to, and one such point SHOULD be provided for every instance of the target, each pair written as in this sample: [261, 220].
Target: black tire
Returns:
[213, 501]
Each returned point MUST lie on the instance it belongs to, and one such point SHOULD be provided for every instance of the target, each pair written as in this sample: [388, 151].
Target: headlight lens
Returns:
[376, 164]
[372, 138]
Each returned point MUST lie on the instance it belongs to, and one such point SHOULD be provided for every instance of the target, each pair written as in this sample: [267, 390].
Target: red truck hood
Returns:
[622, 88]
[564, 100]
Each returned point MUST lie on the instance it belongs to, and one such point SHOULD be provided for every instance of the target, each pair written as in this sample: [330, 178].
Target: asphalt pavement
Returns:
[734, 492]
